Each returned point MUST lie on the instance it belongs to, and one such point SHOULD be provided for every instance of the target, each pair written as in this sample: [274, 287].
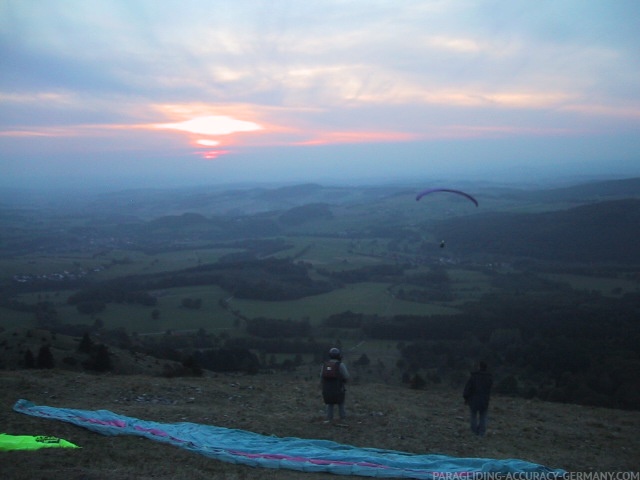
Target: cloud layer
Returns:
[263, 82]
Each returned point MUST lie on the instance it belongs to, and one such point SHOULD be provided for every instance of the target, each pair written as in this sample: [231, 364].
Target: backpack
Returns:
[331, 370]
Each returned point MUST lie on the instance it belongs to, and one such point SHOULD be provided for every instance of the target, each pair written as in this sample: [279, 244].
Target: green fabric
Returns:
[31, 442]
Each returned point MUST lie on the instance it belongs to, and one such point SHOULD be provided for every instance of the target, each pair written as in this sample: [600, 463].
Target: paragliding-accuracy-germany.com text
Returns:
[601, 476]
[536, 476]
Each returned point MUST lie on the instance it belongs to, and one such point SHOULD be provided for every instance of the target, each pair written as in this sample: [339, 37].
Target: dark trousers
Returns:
[341, 411]
[478, 421]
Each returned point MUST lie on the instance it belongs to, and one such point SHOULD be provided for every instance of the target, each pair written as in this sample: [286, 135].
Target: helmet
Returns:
[334, 353]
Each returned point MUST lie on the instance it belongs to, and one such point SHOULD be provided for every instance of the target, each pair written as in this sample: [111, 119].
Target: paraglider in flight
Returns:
[431, 190]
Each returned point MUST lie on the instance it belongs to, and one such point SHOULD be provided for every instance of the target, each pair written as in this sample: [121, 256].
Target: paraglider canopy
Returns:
[459, 192]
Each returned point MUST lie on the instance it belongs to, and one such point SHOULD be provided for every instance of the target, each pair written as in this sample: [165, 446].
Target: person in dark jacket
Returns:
[476, 394]
[333, 377]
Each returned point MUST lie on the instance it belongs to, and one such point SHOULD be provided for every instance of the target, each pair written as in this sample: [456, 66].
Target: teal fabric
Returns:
[243, 447]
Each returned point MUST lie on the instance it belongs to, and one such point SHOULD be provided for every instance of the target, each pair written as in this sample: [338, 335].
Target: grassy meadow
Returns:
[367, 298]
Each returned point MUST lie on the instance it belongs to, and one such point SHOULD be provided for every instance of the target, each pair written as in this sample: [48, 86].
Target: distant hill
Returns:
[157, 219]
[599, 232]
[306, 213]
[150, 203]
[587, 192]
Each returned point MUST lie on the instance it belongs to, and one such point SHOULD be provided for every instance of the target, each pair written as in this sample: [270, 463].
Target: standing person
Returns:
[333, 377]
[476, 394]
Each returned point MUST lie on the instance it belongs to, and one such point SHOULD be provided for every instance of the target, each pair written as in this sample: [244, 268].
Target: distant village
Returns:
[64, 276]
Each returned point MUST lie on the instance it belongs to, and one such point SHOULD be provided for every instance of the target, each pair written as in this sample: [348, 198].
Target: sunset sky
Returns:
[144, 93]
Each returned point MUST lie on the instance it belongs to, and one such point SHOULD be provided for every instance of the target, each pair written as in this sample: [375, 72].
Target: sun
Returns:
[212, 125]
[207, 143]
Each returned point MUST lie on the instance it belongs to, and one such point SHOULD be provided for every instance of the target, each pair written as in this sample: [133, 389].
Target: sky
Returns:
[157, 93]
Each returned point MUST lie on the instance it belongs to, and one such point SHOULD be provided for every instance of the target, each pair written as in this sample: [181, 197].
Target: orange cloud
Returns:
[212, 154]
[328, 138]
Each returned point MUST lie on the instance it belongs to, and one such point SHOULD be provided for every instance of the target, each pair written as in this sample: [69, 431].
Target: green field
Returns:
[333, 254]
[468, 284]
[105, 266]
[136, 318]
[39, 264]
[367, 298]
[370, 298]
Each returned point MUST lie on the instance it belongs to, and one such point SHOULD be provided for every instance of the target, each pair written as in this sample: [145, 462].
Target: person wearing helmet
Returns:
[333, 377]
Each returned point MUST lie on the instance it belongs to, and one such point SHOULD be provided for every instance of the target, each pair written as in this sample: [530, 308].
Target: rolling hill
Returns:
[597, 232]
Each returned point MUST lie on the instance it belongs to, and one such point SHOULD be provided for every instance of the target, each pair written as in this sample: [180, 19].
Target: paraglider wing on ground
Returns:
[268, 451]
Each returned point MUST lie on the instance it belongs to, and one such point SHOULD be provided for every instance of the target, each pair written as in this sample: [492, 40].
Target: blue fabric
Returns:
[243, 447]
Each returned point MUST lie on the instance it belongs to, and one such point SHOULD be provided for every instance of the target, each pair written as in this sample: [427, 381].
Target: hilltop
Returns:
[575, 438]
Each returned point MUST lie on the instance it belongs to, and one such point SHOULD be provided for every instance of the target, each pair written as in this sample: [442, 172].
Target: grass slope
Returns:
[562, 436]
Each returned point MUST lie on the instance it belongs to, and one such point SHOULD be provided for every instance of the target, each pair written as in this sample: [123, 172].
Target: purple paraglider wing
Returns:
[459, 192]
